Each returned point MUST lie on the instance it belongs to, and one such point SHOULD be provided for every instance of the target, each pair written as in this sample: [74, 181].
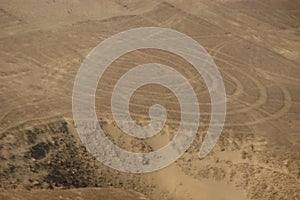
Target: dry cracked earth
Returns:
[256, 46]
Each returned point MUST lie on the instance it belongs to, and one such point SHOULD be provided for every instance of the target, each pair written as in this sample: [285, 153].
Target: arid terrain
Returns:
[254, 43]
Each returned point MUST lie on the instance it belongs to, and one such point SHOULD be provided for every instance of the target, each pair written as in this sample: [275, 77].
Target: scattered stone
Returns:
[35, 183]
[39, 151]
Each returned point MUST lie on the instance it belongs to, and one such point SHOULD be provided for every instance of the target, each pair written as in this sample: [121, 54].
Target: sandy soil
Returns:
[254, 43]
[80, 194]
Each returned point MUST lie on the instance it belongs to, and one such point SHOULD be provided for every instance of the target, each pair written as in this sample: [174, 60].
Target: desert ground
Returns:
[254, 43]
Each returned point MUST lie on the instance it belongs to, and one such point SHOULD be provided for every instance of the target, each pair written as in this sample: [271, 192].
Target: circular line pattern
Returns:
[91, 70]
[263, 92]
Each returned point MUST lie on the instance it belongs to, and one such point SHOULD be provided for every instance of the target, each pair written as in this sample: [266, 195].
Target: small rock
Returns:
[45, 185]
[244, 155]
[35, 183]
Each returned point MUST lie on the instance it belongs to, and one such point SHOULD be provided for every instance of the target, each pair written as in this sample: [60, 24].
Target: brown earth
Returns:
[80, 194]
[255, 45]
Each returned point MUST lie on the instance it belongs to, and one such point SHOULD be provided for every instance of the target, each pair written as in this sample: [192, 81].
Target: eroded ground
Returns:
[255, 44]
